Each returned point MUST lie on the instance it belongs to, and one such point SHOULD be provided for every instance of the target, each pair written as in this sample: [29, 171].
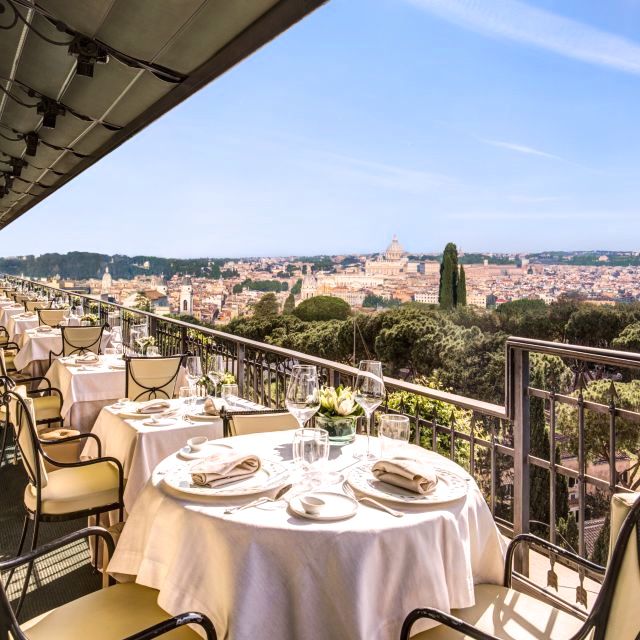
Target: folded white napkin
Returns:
[406, 473]
[45, 328]
[87, 357]
[220, 470]
[154, 406]
[212, 406]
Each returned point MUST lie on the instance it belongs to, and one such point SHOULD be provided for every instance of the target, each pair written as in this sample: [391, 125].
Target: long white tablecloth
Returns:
[139, 447]
[7, 313]
[36, 345]
[268, 573]
[85, 392]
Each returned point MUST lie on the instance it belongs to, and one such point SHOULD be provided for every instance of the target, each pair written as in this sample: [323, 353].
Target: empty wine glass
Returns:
[303, 398]
[194, 370]
[216, 371]
[229, 394]
[369, 393]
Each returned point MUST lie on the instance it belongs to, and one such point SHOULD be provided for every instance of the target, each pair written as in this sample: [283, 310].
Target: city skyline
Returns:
[431, 119]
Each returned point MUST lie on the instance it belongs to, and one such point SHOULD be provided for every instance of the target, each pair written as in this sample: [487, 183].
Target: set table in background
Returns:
[268, 568]
[140, 445]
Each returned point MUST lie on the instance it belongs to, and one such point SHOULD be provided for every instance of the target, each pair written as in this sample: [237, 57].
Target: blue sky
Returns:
[497, 124]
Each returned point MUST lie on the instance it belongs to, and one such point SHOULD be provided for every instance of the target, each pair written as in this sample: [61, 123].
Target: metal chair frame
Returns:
[598, 616]
[76, 349]
[41, 322]
[154, 390]
[8, 617]
[35, 478]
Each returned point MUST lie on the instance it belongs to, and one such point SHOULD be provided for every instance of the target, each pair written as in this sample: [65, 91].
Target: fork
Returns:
[370, 501]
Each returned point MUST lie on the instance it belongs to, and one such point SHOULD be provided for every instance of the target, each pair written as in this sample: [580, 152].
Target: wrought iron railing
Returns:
[492, 441]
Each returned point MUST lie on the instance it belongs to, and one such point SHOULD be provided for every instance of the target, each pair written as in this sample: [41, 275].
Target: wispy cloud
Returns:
[388, 176]
[519, 21]
[520, 148]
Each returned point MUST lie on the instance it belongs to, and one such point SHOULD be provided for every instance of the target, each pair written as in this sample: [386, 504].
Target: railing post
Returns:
[240, 355]
[519, 385]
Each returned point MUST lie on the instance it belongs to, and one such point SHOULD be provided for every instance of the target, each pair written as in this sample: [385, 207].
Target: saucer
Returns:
[211, 447]
[337, 506]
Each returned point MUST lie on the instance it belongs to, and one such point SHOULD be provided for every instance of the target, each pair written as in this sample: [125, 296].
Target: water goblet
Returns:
[303, 397]
[369, 393]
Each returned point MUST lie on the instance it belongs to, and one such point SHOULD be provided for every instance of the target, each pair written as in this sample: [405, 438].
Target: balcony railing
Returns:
[492, 441]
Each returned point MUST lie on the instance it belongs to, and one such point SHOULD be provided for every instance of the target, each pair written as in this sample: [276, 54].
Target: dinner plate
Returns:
[272, 475]
[159, 422]
[186, 454]
[201, 417]
[337, 506]
[449, 487]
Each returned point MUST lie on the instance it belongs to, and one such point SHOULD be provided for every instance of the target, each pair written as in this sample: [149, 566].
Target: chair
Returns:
[73, 490]
[117, 612]
[78, 341]
[50, 317]
[47, 401]
[19, 298]
[149, 378]
[34, 305]
[502, 613]
[240, 423]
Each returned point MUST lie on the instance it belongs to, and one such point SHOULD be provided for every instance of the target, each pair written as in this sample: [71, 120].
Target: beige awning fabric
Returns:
[146, 56]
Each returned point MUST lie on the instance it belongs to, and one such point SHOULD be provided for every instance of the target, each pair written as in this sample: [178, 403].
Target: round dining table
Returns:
[265, 572]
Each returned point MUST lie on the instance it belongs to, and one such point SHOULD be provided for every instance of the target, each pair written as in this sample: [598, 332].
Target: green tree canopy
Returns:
[267, 306]
[322, 308]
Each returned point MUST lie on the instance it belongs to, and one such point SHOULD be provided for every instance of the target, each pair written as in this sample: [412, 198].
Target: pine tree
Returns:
[449, 277]
[600, 553]
[289, 304]
[462, 287]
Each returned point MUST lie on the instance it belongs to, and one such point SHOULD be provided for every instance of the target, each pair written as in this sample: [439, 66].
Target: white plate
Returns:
[337, 506]
[272, 475]
[448, 488]
[186, 454]
[159, 422]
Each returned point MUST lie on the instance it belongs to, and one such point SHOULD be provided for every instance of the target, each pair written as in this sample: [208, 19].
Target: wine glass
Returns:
[194, 370]
[369, 393]
[303, 398]
[142, 332]
[310, 451]
[216, 371]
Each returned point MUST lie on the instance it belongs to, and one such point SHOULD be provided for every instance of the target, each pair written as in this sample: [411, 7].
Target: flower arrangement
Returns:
[338, 402]
[145, 343]
[205, 381]
[90, 318]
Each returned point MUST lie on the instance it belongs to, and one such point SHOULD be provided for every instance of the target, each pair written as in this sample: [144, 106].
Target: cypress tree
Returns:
[449, 277]
[462, 287]
[289, 304]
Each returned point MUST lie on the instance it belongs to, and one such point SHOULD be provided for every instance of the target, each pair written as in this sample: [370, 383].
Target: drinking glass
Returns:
[194, 370]
[303, 397]
[229, 393]
[79, 311]
[310, 451]
[369, 393]
[153, 351]
[133, 339]
[141, 333]
[216, 371]
[110, 351]
[393, 433]
[187, 396]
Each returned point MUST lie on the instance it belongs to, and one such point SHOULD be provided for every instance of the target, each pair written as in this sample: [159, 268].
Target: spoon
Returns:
[260, 501]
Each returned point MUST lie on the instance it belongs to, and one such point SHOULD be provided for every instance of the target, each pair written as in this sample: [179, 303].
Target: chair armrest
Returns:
[529, 537]
[173, 623]
[54, 545]
[80, 436]
[443, 618]
[84, 463]
[10, 345]
[36, 379]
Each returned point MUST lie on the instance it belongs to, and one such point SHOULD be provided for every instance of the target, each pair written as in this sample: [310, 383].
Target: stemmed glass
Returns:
[369, 393]
[303, 397]
[141, 333]
[194, 370]
[216, 371]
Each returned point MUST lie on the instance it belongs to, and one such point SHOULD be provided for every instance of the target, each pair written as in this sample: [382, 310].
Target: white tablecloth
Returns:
[268, 573]
[17, 325]
[7, 313]
[35, 347]
[85, 392]
[140, 448]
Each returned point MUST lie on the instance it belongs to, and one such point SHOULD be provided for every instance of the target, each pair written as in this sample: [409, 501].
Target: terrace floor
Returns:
[59, 577]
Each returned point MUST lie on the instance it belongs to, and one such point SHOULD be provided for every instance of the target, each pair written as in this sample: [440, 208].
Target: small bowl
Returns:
[196, 443]
[312, 504]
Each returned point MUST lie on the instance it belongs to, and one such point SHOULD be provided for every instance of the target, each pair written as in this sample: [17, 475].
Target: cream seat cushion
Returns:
[509, 615]
[76, 489]
[109, 614]
[47, 407]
